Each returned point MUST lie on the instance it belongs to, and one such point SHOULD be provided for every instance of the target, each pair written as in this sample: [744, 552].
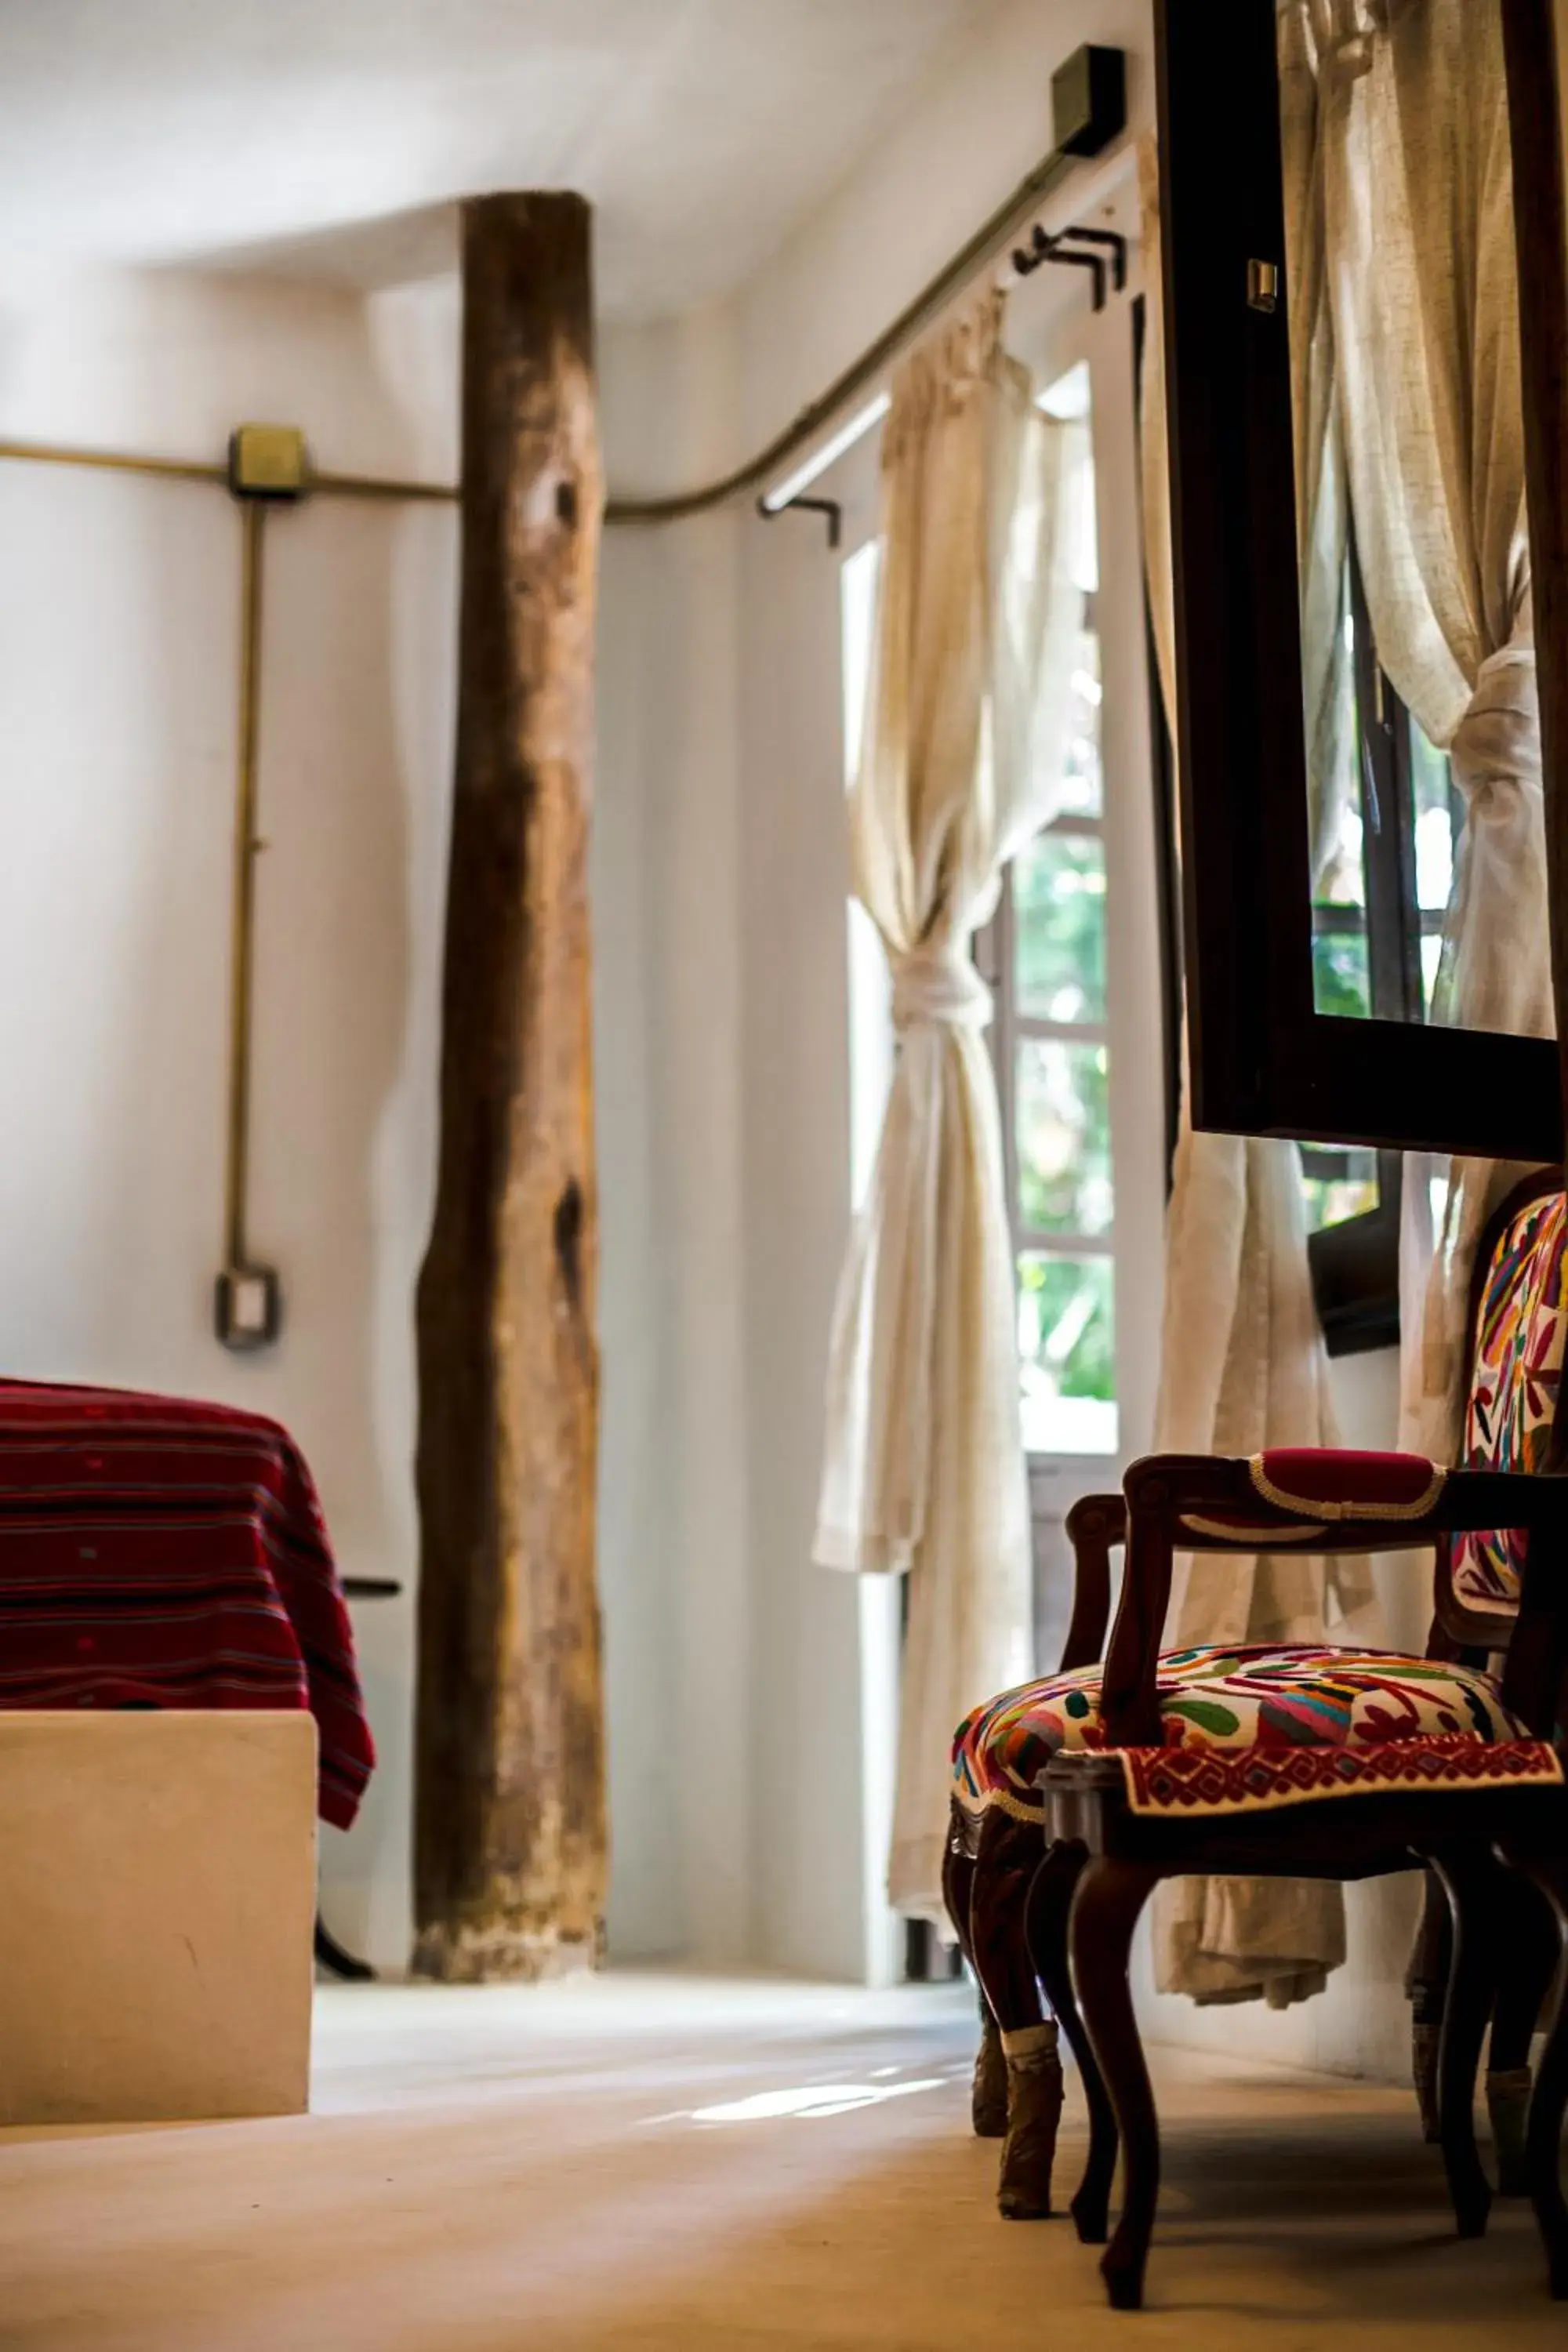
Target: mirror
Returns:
[1367, 949]
[1418, 637]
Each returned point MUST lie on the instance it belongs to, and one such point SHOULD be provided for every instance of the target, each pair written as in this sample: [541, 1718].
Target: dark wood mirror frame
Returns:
[1264, 1060]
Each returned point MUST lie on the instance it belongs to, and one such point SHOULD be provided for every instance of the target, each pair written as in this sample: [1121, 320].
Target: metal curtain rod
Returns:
[1089, 108]
[862, 374]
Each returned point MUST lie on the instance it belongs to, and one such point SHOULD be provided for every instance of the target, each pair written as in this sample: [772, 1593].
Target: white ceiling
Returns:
[328, 138]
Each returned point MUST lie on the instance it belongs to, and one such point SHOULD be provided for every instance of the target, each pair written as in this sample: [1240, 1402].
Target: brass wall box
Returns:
[267, 461]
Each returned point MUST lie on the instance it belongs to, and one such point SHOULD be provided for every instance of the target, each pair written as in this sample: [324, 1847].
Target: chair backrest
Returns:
[1519, 1318]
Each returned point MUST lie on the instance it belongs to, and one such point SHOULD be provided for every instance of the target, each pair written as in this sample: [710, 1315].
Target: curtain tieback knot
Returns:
[938, 988]
[1347, 35]
[1497, 740]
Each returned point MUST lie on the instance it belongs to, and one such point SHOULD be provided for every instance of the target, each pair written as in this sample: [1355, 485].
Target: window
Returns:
[1043, 955]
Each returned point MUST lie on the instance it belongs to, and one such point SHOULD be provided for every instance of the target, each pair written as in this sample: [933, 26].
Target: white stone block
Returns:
[157, 1896]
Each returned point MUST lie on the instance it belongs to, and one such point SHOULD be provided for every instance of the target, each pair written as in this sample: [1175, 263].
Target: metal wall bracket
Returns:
[1115, 245]
[1063, 248]
[828, 506]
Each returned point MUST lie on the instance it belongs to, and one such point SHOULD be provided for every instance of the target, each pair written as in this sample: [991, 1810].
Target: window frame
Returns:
[1098, 344]
[1264, 1060]
[1011, 1027]
[996, 960]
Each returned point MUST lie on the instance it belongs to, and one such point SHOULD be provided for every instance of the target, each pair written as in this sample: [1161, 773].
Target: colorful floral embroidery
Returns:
[1513, 1388]
[1270, 1700]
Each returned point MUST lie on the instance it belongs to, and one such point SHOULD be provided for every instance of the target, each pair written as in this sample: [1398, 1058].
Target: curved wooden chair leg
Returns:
[1005, 1865]
[1428, 1988]
[1049, 1909]
[1527, 1962]
[1109, 1896]
[957, 1886]
[1472, 1882]
[988, 2087]
[1549, 2103]
[330, 1954]
[988, 2090]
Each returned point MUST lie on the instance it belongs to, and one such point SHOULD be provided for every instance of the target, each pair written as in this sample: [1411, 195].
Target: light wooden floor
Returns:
[645, 2162]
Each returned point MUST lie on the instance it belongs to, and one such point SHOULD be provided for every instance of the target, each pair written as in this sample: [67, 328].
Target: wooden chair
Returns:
[1001, 1751]
[1426, 1759]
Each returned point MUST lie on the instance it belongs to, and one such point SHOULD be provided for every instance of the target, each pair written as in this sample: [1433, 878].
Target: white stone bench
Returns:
[157, 1896]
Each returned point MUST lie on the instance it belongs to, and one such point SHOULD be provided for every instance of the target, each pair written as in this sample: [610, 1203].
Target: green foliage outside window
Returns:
[1058, 884]
[1341, 979]
[1063, 1118]
[1067, 1325]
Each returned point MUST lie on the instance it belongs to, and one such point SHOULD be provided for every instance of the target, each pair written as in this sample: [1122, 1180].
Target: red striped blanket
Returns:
[155, 1552]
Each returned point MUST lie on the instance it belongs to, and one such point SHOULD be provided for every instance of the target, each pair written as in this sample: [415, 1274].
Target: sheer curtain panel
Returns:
[924, 1472]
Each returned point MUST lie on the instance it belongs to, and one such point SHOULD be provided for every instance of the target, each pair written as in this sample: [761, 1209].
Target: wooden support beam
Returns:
[510, 1845]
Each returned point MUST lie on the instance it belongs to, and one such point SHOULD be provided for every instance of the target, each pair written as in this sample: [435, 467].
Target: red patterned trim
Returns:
[1188, 1780]
[1339, 1471]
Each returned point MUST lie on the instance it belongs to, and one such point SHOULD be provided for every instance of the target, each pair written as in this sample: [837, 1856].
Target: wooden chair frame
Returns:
[1013, 1914]
[1102, 1859]
[988, 1868]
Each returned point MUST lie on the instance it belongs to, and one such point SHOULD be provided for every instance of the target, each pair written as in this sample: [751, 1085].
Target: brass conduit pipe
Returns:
[247, 847]
[190, 469]
[864, 373]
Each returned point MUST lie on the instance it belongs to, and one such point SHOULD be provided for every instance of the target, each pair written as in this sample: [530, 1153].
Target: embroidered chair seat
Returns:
[1259, 1727]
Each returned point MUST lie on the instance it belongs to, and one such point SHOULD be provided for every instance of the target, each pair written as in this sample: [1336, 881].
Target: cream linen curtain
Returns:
[924, 1467]
[1405, 112]
[1242, 1358]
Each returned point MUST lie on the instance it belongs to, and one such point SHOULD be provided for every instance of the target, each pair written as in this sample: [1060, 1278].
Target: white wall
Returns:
[119, 633]
[118, 629]
[673, 1558]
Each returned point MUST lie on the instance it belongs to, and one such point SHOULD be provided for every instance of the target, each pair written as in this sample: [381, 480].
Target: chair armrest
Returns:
[1214, 1503]
[1153, 1489]
[1094, 1524]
